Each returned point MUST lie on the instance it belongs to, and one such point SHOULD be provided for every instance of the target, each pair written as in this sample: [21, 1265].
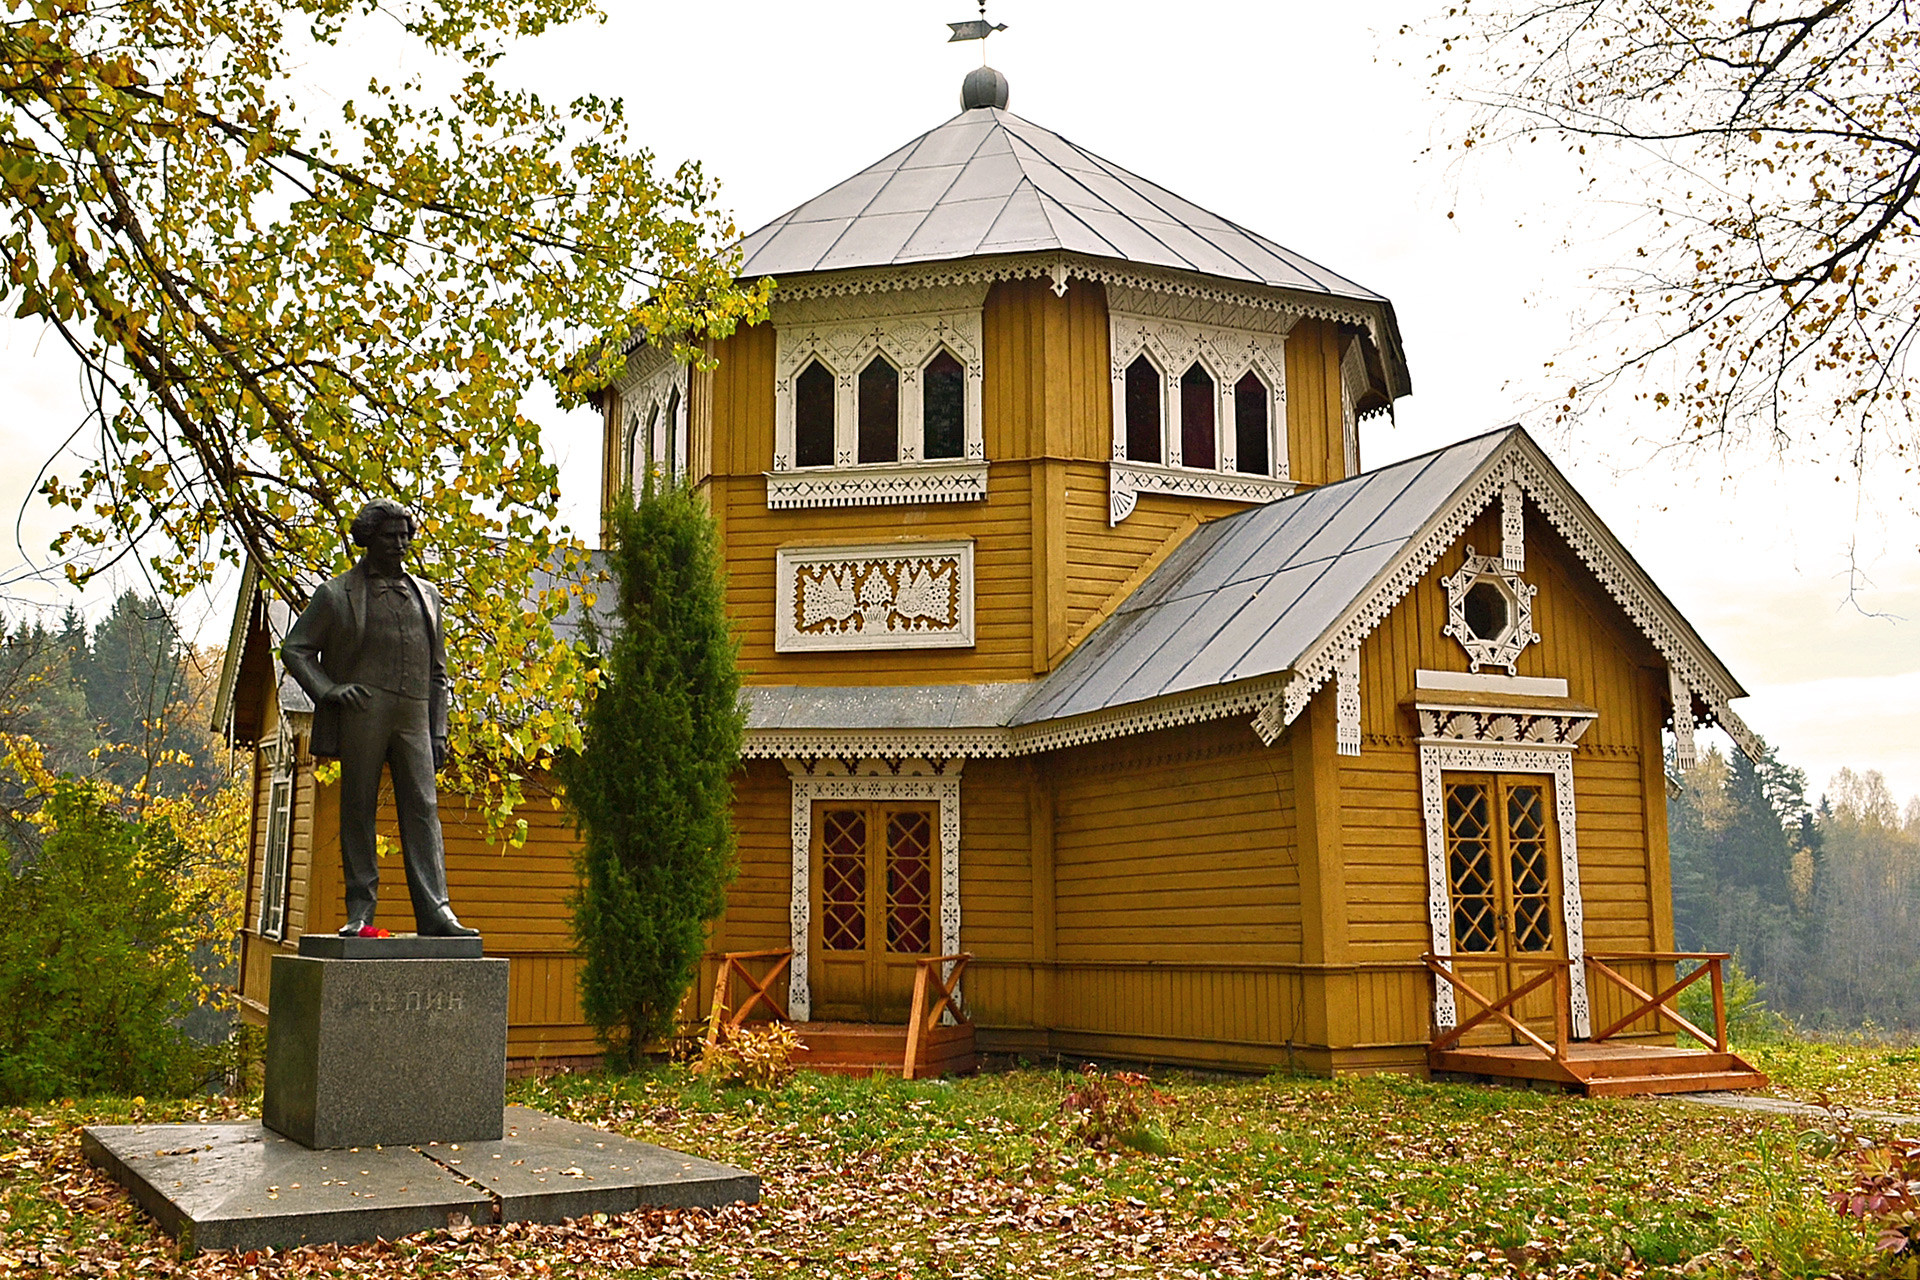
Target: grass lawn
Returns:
[983, 1178]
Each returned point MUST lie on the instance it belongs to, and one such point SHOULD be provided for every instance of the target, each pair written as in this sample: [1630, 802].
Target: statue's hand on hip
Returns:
[351, 696]
[439, 754]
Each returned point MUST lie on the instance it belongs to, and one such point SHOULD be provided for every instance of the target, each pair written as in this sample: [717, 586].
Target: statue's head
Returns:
[377, 513]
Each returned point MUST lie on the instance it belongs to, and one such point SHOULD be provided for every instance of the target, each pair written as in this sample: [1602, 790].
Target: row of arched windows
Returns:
[657, 443]
[1199, 399]
[943, 400]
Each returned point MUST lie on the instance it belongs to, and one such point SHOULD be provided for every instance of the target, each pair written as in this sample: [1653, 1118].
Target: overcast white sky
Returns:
[1298, 121]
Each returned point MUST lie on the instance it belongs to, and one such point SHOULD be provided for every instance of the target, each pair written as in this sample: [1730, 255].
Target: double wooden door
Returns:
[1503, 879]
[876, 872]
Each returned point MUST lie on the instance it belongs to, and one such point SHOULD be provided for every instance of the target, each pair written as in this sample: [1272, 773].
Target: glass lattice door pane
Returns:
[1529, 848]
[910, 882]
[843, 879]
[1471, 868]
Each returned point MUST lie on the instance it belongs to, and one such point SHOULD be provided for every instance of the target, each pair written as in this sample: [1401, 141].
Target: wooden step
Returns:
[1674, 1082]
[862, 1049]
[1674, 1062]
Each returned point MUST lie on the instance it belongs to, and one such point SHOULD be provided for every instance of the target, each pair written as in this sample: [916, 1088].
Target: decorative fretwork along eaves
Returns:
[1192, 707]
[1630, 589]
[1060, 268]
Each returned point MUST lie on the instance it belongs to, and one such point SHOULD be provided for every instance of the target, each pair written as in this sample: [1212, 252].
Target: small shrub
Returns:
[1749, 1020]
[757, 1056]
[97, 934]
[1119, 1108]
[1885, 1195]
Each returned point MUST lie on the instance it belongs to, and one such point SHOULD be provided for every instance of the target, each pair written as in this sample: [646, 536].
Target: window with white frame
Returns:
[1199, 401]
[877, 400]
[276, 852]
[653, 396]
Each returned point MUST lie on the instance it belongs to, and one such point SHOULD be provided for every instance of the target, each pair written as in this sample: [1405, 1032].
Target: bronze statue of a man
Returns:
[371, 651]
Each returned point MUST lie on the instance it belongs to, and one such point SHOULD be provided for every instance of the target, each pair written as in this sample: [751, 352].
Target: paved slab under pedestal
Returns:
[238, 1185]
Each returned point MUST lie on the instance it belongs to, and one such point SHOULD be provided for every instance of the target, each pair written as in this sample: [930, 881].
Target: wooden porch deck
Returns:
[935, 1040]
[865, 1049]
[1603, 1069]
[1601, 1065]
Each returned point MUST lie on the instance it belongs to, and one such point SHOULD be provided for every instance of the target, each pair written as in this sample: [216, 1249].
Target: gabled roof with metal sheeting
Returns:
[1253, 604]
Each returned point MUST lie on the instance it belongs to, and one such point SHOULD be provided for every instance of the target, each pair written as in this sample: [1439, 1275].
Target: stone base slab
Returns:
[389, 1052]
[239, 1185]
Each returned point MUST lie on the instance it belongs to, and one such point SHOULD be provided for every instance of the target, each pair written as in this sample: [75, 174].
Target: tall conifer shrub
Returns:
[653, 782]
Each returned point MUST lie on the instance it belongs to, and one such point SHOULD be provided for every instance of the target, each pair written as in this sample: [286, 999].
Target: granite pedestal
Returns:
[370, 1051]
[238, 1185]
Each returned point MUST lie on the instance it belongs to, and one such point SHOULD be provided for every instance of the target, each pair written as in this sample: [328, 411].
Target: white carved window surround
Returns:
[890, 595]
[1490, 610]
[1353, 385]
[917, 333]
[867, 780]
[1205, 354]
[277, 850]
[653, 400]
[1440, 755]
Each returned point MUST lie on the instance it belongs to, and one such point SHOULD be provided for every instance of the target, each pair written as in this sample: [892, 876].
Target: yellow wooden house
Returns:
[1078, 642]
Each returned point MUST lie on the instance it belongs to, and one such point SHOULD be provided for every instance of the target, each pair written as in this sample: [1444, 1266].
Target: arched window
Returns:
[879, 412]
[1197, 440]
[641, 450]
[1250, 434]
[1143, 411]
[813, 417]
[672, 449]
[943, 407]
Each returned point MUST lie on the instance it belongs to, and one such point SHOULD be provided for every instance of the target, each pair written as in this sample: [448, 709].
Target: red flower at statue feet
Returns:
[368, 931]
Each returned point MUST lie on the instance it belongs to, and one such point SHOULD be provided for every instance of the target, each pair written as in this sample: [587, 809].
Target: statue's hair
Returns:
[373, 513]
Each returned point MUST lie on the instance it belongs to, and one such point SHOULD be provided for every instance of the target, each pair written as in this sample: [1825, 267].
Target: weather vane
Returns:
[978, 29]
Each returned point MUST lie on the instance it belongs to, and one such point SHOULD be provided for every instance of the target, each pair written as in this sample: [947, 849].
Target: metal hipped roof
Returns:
[988, 182]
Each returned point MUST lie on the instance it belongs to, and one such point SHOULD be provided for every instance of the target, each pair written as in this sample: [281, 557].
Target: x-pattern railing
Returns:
[933, 996]
[759, 990]
[1552, 972]
[1556, 972]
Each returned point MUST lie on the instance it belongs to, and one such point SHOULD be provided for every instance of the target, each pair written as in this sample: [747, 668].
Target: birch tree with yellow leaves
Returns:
[1767, 155]
[280, 314]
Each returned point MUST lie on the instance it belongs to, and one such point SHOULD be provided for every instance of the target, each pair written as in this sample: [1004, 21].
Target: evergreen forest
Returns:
[1818, 898]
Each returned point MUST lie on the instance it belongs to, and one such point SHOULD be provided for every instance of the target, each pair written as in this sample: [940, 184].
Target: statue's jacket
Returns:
[323, 647]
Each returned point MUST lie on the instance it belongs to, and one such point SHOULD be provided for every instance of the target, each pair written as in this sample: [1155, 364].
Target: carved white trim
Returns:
[1126, 481]
[1353, 386]
[878, 485]
[1171, 711]
[653, 391]
[844, 333]
[1685, 754]
[1513, 528]
[1502, 725]
[1346, 702]
[1438, 757]
[1589, 540]
[853, 784]
[1502, 650]
[1059, 268]
[899, 595]
[1226, 340]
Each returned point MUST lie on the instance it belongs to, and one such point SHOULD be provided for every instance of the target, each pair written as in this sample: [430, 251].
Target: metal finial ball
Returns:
[983, 87]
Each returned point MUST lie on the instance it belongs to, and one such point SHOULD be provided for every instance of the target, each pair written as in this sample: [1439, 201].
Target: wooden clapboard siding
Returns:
[1003, 595]
[1316, 449]
[1586, 641]
[1174, 842]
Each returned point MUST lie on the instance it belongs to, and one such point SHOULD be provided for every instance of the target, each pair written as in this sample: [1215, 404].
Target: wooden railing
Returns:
[1597, 962]
[760, 990]
[1556, 972]
[933, 995]
[1553, 972]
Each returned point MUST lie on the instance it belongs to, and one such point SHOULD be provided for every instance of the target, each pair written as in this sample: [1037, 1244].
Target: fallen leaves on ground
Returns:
[973, 1179]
